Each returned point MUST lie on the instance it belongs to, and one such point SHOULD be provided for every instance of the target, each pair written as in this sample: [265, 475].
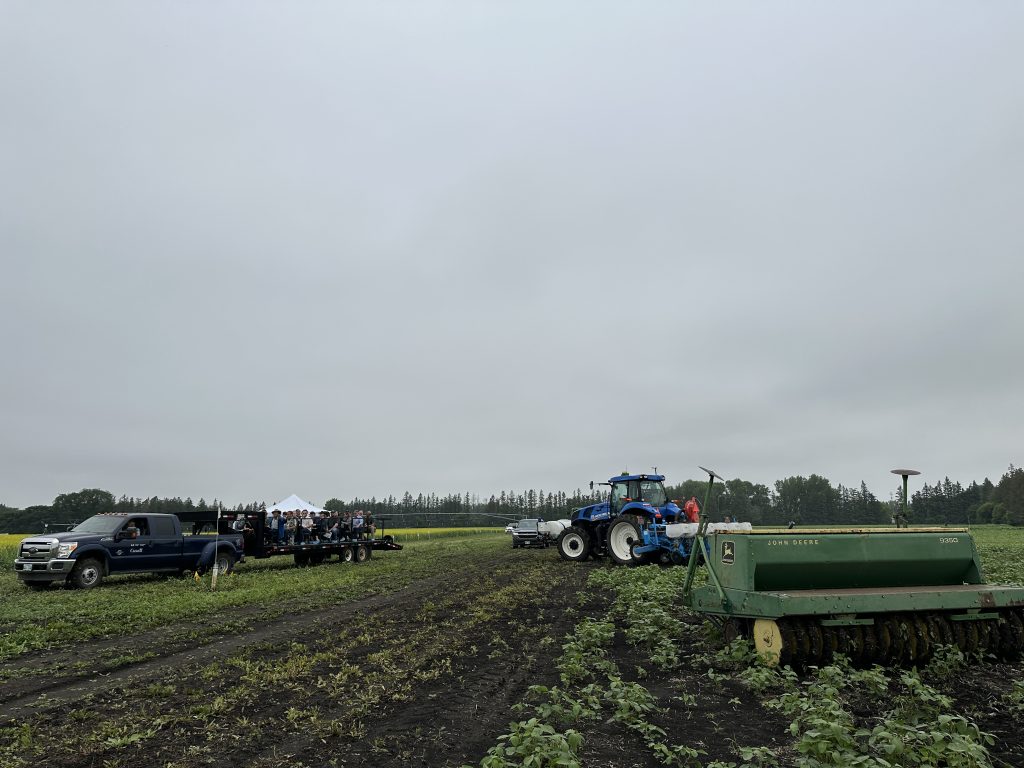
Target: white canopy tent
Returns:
[294, 504]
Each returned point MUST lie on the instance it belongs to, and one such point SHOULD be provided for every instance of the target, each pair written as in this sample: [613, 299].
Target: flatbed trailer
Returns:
[349, 549]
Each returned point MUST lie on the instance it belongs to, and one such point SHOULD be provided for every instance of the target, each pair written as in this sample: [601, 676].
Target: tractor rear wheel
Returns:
[623, 533]
[573, 544]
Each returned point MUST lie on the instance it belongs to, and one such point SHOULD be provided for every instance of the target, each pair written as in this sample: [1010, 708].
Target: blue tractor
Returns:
[631, 527]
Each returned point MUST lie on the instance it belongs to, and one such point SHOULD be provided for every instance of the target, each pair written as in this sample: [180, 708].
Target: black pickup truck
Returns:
[121, 543]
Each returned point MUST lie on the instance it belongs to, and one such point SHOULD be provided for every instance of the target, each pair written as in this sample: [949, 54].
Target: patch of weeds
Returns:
[533, 743]
[1014, 700]
[946, 661]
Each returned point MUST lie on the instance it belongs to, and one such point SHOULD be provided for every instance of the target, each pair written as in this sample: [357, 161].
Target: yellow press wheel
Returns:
[768, 642]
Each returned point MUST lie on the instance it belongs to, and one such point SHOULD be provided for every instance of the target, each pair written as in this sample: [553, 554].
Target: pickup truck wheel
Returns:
[225, 560]
[622, 535]
[573, 544]
[87, 573]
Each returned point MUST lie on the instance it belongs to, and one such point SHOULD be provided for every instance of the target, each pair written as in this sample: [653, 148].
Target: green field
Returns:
[386, 663]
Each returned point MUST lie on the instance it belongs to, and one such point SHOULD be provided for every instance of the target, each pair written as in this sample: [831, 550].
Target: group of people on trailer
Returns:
[305, 526]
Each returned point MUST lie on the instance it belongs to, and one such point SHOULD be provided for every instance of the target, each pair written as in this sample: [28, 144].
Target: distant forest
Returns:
[802, 500]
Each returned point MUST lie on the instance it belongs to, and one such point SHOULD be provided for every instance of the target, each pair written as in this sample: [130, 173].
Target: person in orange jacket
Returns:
[692, 510]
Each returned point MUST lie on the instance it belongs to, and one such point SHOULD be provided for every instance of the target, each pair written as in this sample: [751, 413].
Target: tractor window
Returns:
[620, 492]
[652, 492]
[624, 492]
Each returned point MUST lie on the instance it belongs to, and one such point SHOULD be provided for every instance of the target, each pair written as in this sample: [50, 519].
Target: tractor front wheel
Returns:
[623, 533]
[573, 544]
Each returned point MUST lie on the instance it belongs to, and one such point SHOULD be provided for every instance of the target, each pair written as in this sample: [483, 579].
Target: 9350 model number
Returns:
[948, 540]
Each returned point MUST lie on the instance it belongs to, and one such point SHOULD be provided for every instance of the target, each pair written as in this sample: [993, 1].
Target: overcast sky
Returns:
[357, 248]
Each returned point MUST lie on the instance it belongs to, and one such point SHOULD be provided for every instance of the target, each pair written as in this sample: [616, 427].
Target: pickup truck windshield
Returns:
[99, 525]
[527, 525]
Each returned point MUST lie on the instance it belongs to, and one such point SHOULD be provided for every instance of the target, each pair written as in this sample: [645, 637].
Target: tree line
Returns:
[801, 500]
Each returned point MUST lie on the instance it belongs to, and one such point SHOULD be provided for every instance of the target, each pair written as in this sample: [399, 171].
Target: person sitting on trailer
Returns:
[289, 526]
[357, 524]
[275, 527]
[332, 524]
[302, 526]
[369, 526]
[320, 526]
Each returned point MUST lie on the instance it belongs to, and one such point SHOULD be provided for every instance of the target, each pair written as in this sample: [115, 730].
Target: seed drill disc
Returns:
[983, 635]
[941, 629]
[924, 640]
[960, 636]
[818, 651]
[802, 654]
[789, 651]
[883, 640]
[731, 630]
[1016, 626]
[871, 655]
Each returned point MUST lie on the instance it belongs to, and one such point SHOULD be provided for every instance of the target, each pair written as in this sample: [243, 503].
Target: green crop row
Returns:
[121, 605]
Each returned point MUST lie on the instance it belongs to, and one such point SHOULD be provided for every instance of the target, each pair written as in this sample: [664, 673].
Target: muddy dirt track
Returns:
[424, 675]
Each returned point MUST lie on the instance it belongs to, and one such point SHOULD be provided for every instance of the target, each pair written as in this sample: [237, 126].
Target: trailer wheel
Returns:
[622, 535]
[87, 573]
[347, 555]
[301, 559]
[362, 553]
[316, 557]
[573, 544]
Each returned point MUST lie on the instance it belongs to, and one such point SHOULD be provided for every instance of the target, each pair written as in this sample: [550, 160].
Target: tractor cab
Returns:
[635, 491]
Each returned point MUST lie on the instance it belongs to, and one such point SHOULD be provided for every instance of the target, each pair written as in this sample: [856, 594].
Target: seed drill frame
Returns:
[874, 594]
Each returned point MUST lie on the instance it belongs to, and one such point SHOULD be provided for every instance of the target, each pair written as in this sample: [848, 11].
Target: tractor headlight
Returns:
[66, 548]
